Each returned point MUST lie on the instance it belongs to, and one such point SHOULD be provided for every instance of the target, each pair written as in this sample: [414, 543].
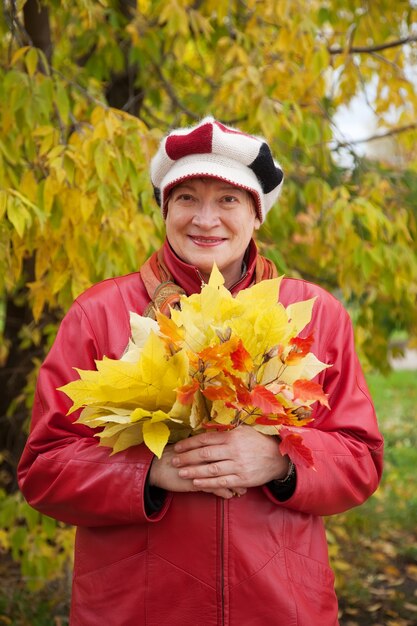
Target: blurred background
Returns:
[87, 89]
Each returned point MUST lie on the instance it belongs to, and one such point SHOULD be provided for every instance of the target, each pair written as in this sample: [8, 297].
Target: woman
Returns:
[166, 541]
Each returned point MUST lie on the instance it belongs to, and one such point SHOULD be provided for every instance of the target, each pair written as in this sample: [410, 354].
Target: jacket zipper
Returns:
[222, 559]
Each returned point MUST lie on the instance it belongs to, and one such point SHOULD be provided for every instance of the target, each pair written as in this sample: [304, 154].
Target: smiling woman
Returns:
[164, 540]
[209, 221]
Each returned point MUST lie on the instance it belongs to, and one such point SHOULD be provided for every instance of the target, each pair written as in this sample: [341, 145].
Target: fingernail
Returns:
[183, 473]
[175, 460]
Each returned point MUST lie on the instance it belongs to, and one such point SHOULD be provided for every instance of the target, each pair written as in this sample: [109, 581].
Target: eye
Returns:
[229, 199]
[183, 197]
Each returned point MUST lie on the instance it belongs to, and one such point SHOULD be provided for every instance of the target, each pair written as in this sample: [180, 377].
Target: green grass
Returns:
[373, 548]
[395, 502]
[395, 399]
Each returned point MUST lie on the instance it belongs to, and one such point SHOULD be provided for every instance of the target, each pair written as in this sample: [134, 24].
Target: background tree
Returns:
[87, 89]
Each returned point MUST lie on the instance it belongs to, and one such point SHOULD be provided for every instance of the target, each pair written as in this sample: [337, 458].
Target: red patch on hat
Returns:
[232, 131]
[198, 141]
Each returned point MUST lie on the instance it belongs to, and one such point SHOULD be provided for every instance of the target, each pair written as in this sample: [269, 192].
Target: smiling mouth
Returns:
[206, 241]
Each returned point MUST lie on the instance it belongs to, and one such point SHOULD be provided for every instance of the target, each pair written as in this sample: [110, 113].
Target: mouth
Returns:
[206, 241]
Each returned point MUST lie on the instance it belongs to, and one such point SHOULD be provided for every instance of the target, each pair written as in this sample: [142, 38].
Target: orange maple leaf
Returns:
[241, 359]
[217, 356]
[168, 327]
[300, 347]
[185, 394]
[306, 390]
[219, 392]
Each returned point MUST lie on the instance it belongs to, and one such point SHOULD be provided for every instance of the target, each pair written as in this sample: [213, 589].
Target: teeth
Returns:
[206, 239]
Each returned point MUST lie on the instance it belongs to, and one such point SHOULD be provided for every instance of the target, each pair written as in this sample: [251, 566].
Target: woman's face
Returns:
[209, 220]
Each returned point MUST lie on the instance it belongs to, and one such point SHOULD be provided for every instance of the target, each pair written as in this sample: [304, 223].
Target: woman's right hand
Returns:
[165, 476]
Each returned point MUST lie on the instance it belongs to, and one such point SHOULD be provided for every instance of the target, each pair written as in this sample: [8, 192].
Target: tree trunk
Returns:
[13, 413]
[36, 21]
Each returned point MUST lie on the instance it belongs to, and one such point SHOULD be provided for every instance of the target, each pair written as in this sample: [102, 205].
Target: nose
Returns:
[206, 215]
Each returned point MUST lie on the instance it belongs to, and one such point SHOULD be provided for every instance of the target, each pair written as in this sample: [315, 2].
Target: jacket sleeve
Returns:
[346, 443]
[63, 472]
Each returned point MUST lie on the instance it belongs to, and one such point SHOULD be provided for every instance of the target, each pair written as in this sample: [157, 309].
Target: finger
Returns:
[200, 455]
[204, 439]
[230, 481]
[227, 494]
[207, 470]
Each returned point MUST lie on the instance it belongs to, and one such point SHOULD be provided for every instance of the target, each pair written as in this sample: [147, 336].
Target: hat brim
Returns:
[212, 166]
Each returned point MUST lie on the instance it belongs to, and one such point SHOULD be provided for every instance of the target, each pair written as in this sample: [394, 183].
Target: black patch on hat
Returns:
[265, 169]
[157, 194]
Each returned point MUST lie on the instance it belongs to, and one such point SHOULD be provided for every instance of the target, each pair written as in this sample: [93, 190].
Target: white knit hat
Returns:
[213, 150]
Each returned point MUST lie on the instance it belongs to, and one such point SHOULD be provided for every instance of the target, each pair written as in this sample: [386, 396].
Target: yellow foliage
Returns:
[76, 202]
[212, 364]
[75, 193]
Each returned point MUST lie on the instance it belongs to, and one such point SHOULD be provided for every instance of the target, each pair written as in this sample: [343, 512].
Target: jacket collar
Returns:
[189, 278]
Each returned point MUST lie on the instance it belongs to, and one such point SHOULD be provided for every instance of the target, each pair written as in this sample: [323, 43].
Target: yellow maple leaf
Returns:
[126, 438]
[300, 313]
[155, 436]
[266, 292]
[208, 310]
[149, 383]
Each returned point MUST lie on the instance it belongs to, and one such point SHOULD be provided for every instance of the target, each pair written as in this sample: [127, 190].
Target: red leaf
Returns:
[306, 390]
[241, 359]
[220, 392]
[303, 344]
[292, 444]
[265, 400]
[243, 395]
[185, 394]
[242, 392]
[300, 348]
[266, 420]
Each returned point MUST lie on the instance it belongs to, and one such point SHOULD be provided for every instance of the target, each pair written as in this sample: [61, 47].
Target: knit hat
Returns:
[211, 149]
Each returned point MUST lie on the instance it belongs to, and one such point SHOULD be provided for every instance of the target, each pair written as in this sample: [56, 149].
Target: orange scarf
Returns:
[165, 293]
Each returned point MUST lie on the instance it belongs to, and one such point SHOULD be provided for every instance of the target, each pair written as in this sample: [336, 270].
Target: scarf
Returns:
[164, 292]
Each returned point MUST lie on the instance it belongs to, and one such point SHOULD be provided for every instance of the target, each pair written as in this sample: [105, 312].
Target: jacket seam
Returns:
[245, 580]
[181, 569]
[78, 577]
[84, 312]
[335, 324]
[124, 302]
[45, 457]
[290, 586]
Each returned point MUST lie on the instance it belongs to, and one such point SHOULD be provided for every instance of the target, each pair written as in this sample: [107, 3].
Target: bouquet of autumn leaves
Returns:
[217, 362]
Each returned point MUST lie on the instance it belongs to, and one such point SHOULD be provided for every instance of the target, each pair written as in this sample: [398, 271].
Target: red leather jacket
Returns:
[200, 560]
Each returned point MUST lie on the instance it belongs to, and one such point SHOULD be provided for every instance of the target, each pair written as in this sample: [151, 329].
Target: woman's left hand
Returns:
[242, 457]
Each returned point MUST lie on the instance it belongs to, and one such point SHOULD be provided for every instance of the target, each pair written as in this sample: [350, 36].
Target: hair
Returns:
[204, 179]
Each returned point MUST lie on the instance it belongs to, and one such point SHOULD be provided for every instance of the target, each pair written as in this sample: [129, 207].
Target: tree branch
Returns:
[369, 49]
[388, 133]
[173, 96]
